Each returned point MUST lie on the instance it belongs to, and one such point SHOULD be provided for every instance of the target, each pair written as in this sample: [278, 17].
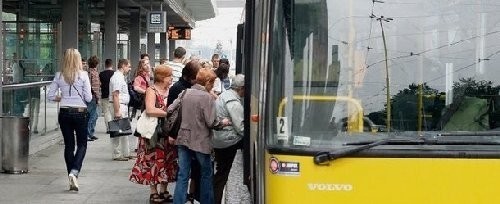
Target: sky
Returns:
[207, 33]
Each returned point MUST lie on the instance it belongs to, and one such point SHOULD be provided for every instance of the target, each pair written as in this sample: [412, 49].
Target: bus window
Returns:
[364, 69]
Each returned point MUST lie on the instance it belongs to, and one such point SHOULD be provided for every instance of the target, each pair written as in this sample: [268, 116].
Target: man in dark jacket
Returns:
[187, 80]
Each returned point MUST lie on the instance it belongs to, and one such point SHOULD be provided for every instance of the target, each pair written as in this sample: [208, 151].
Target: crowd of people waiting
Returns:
[210, 132]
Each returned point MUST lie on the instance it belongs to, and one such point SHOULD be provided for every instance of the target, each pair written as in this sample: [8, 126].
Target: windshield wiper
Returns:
[426, 141]
[324, 157]
[470, 133]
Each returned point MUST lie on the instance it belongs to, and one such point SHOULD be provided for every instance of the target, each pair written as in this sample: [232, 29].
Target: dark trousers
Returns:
[194, 188]
[71, 121]
[206, 183]
[92, 117]
[224, 160]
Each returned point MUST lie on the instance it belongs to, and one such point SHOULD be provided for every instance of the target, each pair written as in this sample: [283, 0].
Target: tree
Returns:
[218, 48]
[469, 87]
[405, 107]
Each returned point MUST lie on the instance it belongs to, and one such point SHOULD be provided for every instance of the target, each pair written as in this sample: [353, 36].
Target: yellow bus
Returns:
[356, 101]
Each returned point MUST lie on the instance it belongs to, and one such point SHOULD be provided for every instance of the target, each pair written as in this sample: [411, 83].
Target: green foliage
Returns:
[405, 106]
[473, 88]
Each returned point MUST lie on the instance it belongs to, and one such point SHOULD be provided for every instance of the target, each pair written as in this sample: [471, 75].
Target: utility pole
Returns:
[387, 82]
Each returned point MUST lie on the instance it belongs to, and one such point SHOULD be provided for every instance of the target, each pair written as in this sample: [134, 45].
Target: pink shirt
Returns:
[140, 82]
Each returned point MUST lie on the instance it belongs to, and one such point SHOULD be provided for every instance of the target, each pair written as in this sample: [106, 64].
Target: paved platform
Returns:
[102, 180]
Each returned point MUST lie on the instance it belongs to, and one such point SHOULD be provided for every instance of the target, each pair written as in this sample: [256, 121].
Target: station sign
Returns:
[179, 33]
[156, 21]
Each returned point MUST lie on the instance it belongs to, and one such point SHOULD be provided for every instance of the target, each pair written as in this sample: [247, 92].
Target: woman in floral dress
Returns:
[156, 163]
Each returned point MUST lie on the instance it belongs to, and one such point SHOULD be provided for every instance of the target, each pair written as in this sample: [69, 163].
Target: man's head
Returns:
[223, 71]
[238, 84]
[215, 60]
[179, 53]
[163, 61]
[124, 65]
[108, 63]
[224, 61]
[190, 71]
[93, 62]
[84, 63]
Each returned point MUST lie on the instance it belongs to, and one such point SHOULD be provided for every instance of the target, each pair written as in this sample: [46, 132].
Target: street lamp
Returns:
[387, 82]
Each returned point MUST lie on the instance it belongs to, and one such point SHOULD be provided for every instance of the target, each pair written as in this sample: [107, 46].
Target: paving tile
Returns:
[102, 180]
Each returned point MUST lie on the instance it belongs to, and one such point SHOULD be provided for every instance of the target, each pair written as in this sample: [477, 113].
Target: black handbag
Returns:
[120, 127]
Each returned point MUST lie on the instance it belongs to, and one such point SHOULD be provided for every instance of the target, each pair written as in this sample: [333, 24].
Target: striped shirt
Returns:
[176, 70]
[95, 82]
[76, 95]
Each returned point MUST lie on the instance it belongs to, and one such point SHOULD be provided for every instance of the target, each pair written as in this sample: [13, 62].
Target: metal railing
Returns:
[30, 100]
[25, 85]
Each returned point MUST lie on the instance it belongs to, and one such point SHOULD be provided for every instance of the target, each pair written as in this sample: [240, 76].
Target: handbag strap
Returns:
[182, 95]
[79, 93]
[147, 82]
[160, 102]
[181, 98]
[72, 85]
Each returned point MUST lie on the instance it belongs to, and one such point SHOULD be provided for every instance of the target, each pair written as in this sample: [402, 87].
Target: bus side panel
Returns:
[382, 180]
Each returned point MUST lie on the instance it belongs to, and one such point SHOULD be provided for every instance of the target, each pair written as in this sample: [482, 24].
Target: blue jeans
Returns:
[206, 186]
[71, 122]
[92, 117]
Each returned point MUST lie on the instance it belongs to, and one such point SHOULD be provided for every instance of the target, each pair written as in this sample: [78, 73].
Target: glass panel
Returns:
[29, 52]
[340, 68]
[31, 102]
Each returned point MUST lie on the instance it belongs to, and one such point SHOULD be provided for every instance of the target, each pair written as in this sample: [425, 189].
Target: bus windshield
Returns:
[382, 68]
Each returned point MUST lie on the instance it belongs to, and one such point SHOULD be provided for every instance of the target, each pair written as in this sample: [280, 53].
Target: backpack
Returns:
[173, 121]
[136, 99]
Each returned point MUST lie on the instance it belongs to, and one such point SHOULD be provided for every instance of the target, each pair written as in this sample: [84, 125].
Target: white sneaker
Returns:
[73, 182]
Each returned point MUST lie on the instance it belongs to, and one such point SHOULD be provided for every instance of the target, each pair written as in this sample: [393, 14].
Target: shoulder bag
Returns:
[173, 120]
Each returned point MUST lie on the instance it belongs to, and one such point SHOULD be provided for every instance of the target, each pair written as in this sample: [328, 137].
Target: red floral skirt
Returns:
[155, 166]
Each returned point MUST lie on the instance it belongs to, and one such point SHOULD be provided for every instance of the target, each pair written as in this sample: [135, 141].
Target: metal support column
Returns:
[69, 30]
[151, 48]
[163, 46]
[110, 30]
[135, 38]
[97, 46]
[84, 29]
[171, 48]
[1, 84]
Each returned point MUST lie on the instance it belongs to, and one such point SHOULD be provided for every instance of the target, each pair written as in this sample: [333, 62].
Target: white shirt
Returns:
[72, 95]
[118, 83]
[176, 70]
[17, 73]
[218, 86]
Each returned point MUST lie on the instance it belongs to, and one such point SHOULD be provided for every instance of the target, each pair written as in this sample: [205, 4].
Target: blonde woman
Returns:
[207, 65]
[74, 85]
